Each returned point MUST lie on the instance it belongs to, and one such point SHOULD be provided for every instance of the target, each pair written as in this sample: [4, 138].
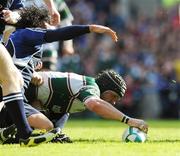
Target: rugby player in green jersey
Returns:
[61, 93]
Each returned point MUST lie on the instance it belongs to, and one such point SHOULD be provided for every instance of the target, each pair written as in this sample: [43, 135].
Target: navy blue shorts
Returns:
[29, 110]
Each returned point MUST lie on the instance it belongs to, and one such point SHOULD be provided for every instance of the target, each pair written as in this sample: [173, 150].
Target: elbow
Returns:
[93, 105]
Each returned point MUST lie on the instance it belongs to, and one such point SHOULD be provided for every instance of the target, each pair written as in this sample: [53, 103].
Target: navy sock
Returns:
[15, 107]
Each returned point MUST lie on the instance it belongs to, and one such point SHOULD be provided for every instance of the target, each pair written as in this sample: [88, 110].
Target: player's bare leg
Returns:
[12, 82]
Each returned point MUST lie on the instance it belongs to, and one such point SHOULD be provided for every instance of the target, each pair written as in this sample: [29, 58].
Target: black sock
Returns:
[15, 106]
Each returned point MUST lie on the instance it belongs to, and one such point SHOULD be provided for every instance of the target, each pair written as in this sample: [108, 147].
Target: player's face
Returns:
[110, 96]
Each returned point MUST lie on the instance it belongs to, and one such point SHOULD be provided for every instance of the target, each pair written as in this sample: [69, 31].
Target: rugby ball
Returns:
[133, 134]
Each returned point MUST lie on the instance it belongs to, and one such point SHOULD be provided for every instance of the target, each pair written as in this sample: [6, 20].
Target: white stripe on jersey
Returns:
[76, 81]
[36, 29]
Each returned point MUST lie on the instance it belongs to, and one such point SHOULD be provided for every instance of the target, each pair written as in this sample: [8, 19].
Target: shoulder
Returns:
[33, 35]
[24, 31]
[35, 30]
[90, 83]
[53, 74]
[28, 31]
[89, 92]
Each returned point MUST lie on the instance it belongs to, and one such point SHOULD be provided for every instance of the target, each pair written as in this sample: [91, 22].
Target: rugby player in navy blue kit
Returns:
[12, 82]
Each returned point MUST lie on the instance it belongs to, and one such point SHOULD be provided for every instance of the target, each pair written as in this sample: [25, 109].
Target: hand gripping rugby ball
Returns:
[133, 134]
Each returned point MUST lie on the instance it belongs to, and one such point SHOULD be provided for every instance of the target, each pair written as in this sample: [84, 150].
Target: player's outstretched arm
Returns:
[103, 29]
[106, 110]
[73, 31]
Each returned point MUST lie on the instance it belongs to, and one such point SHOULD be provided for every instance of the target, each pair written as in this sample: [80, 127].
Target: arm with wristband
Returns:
[106, 110]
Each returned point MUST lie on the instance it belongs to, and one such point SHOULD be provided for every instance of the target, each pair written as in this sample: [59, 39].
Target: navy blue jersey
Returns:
[25, 45]
[14, 4]
[11, 5]
[25, 42]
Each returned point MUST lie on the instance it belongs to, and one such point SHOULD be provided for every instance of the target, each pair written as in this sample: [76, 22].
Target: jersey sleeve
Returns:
[33, 36]
[65, 33]
[17, 4]
[87, 92]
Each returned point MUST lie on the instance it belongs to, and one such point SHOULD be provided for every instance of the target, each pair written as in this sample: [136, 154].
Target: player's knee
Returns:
[40, 121]
[46, 124]
[49, 126]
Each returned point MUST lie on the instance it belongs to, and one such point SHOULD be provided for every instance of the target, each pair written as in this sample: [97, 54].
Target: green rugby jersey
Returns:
[65, 92]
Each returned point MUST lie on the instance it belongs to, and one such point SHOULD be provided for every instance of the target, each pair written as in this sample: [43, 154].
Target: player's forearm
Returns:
[50, 4]
[65, 33]
[55, 16]
[103, 30]
[106, 110]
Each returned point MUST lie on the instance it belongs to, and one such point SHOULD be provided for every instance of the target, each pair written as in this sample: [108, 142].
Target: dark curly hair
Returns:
[110, 80]
[33, 17]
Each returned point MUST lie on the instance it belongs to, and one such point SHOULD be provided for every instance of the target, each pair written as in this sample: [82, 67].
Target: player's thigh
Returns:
[10, 77]
[6, 64]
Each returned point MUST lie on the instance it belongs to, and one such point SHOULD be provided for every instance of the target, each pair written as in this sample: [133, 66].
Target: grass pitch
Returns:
[103, 138]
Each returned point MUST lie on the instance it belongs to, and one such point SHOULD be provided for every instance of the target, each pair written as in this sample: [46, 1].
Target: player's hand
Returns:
[103, 29]
[37, 79]
[55, 17]
[141, 124]
[10, 17]
[38, 66]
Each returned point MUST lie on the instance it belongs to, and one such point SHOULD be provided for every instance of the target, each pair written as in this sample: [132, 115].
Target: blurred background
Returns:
[147, 54]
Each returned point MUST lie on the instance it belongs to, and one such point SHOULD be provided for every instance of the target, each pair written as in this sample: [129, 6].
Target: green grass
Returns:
[103, 138]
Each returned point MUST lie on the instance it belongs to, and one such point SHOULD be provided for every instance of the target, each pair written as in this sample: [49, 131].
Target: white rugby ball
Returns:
[133, 134]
